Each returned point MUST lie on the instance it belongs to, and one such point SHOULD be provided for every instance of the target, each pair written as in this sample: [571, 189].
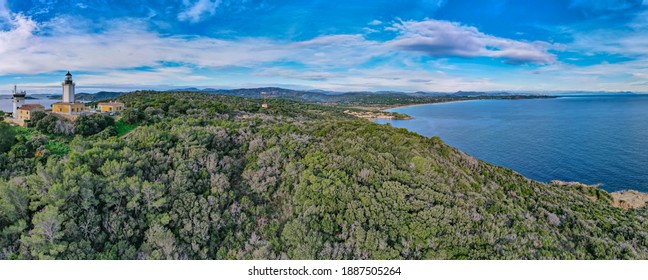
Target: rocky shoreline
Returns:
[627, 199]
[369, 115]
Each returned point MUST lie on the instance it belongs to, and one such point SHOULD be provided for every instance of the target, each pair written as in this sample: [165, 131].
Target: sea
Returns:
[6, 104]
[589, 139]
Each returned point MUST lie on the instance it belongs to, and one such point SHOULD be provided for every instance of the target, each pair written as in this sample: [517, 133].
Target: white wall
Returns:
[17, 103]
[68, 92]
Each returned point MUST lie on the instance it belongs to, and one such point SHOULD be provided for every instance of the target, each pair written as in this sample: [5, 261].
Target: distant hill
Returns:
[102, 95]
[596, 93]
[481, 93]
[363, 98]
[360, 99]
[270, 92]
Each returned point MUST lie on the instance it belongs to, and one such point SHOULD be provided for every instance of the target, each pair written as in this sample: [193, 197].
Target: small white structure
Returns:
[18, 100]
[68, 89]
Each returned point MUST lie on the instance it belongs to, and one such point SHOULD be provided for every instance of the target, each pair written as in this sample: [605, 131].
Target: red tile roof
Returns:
[111, 103]
[69, 103]
[30, 107]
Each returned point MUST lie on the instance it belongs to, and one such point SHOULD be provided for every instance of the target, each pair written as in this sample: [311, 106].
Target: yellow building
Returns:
[68, 107]
[111, 107]
[25, 111]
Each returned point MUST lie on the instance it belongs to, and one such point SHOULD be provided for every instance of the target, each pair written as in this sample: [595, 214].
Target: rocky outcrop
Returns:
[629, 199]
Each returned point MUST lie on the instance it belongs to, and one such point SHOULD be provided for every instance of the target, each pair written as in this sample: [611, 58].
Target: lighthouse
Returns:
[18, 100]
[68, 89]
[68, 105]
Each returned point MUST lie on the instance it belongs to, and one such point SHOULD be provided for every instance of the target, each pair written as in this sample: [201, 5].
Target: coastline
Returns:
[624, 199]
[433, 103]
[408, 117]
[467, 100]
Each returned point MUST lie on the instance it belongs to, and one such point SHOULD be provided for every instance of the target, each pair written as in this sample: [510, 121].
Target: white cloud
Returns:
[157, 76]
[116, 55]
[4, 11]
[299, 75]
[377, 22]
[18, 36]
[442, 38]
[197, 10]
[329, 60]
[122, 46]
[625, 46]
[397, 79]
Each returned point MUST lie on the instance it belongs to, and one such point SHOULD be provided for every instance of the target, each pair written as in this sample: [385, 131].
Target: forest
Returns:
[186, 175]
[374, 100]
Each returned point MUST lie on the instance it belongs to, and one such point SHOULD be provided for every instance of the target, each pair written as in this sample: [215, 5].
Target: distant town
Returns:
[68, 108]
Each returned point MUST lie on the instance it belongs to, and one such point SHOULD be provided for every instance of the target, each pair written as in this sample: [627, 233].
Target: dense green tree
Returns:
[215, 177]
[44, 241]
[7, 137]
[92, 124]
[133, 116]
[46, 124]
[36, 116]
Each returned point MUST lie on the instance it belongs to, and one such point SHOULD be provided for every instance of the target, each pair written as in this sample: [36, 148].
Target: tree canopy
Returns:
[217, 177]
[7, 137]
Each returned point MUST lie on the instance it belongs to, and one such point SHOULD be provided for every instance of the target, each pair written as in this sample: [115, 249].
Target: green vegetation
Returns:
[7, 137]
[400, 116]
[57, 148]
[216, 177]
[87, 125]
[21, 131]
[375, 100]
[123, 128]
[389, 100]
[132, 116]
[51, 124]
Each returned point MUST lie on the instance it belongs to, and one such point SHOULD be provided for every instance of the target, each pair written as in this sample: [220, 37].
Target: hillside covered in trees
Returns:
[365, 100]
[199, 176]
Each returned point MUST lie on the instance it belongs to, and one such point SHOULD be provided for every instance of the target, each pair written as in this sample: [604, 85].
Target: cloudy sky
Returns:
[418, 45]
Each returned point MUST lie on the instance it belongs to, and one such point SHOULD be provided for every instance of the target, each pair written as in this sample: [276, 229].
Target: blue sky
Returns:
[422, 45]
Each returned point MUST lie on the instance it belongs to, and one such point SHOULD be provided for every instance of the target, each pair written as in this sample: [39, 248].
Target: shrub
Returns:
[133, 116]
[46, 124]
[37, 116]
[7, 137]
[92, 124]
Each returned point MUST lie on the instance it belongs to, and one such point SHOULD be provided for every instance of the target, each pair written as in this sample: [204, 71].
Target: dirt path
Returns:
[129, 133]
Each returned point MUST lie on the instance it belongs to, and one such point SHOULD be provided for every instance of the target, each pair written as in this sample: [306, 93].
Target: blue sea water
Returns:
[6, 104]
[589, 139]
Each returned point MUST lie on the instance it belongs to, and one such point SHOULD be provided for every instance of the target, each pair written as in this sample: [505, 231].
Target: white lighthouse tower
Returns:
[18, 100]
[68, 89]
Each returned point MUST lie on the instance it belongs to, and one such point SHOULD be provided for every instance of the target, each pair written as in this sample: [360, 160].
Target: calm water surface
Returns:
[6, 103]
[594, 140]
